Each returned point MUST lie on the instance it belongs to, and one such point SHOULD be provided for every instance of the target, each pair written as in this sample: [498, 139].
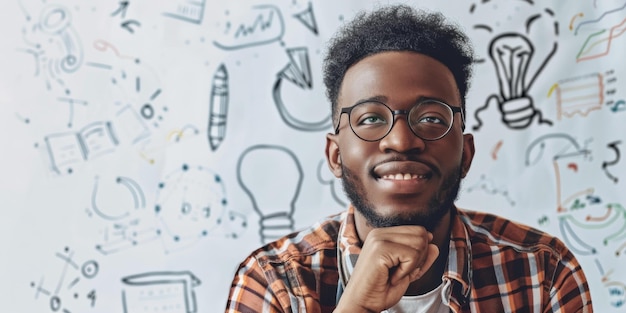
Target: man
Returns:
[397, 80]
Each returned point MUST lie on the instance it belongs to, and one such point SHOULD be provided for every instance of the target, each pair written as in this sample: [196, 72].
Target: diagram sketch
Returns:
[274, 203]
[259, 25]
[556, 147]
[69, 293]
[130, 126]
[141, 137]
[583, 94]
[307, 18]
[68, 148]
[128, 24]
[218, 110]
[298, 73]
[598, 43]
[53, 42]
[137, 83]
[119, 202]
[613, 146]
[611, 225]
[191, 11]
[617, 293]
[151, 292]
[489, 187]
[191, 203]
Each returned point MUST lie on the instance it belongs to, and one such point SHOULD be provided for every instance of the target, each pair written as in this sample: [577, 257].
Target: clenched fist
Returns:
[391, 259]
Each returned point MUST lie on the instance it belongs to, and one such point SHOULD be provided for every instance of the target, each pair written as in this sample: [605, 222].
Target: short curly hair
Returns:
[398, 28]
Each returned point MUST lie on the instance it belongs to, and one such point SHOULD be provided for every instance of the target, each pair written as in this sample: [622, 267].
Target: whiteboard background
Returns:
[114, 200]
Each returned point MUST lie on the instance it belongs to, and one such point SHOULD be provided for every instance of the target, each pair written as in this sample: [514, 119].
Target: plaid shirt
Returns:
[494, 265]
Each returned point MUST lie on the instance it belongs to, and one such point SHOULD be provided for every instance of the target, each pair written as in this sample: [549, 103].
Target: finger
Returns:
[416, 237]
[431, 257]
[414, 264]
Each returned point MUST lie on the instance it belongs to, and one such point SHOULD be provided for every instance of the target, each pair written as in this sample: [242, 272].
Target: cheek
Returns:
[354, 154]
[449, 153]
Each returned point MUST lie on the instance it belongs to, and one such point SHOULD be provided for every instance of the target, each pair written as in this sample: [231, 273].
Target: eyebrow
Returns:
[385, 100]
[377, 98]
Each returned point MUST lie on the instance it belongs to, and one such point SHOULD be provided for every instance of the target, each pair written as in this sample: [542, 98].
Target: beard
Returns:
[438, 205]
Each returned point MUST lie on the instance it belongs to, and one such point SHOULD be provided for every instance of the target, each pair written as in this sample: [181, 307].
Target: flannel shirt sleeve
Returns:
[251, 291]
[570, 291]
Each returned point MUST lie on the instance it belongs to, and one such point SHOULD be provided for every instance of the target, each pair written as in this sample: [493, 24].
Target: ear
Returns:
[468, 153]
[333, 157]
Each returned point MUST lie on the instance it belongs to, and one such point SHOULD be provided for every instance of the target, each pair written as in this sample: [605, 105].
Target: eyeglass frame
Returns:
[394, 113]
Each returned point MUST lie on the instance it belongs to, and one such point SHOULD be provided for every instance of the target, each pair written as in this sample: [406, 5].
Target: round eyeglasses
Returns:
[372, 120]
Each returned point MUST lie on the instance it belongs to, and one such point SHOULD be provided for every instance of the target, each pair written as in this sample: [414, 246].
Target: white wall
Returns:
[143, 143]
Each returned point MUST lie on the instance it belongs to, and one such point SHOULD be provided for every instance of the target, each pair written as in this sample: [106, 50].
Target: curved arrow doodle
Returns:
[605, 164]
[568, 233]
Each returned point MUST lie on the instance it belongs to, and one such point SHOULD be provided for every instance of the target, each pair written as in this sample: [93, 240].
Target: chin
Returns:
[429, 219]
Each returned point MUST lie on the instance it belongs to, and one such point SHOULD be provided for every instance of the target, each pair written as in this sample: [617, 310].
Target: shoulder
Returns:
[291, 271]
[509, 254]
[494, 230]
[318, 237]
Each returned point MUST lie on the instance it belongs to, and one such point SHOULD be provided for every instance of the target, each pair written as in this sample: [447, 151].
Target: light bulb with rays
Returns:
[515, 60]
[511, 55]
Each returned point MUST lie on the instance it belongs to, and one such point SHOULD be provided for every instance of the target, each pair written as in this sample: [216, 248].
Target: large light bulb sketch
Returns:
[271, 176]
[514, 56]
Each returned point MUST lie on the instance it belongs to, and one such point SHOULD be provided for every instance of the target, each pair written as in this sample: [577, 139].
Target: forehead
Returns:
[400, 78]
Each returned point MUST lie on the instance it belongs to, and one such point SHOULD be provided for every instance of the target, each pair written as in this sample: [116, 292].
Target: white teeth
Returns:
[405, 176]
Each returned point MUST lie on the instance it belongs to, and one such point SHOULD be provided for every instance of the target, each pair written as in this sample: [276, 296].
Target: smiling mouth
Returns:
[404, 176]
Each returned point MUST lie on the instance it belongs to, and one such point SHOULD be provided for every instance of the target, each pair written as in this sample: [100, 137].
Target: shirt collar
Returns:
[348, 247]
[459, 265]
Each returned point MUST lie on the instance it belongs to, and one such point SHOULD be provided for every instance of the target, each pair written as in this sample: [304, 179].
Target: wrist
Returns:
[351, 308]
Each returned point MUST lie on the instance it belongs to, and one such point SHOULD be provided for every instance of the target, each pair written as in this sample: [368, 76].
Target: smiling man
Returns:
[397, 81]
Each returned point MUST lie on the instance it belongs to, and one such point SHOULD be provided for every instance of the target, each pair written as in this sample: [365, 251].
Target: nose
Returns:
[401, 138]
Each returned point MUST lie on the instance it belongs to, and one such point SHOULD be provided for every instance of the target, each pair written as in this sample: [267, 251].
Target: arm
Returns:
[570, 291]
[251, 292]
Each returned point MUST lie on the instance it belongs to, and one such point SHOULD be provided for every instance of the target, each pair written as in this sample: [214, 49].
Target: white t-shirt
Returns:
[431, 302]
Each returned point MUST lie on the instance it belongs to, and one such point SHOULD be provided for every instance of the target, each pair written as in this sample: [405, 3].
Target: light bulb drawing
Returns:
[514, 57]
[274, 201]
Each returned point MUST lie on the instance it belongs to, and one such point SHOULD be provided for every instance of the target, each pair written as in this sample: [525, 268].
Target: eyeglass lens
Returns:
[429, 120]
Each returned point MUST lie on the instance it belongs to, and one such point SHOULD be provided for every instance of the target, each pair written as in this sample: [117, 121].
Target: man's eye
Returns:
[372, 119]
[431, 120]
